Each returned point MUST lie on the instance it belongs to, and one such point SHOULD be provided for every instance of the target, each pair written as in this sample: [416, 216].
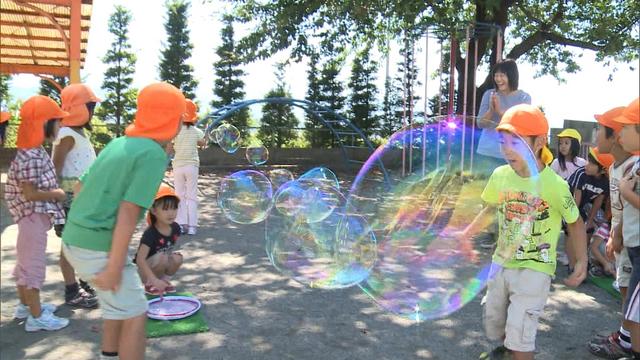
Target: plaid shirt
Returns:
[34, 166]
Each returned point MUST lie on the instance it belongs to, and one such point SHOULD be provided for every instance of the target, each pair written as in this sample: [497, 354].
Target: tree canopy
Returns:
[543, 33]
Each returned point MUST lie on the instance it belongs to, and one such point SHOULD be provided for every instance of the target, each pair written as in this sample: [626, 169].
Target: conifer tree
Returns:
[174, 68]
[331, 91]
[312, 124]
[229, 86]
[362, 99]
[118, 106]
[278, 120]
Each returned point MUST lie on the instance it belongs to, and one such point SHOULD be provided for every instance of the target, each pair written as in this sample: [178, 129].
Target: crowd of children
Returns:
[101, 199]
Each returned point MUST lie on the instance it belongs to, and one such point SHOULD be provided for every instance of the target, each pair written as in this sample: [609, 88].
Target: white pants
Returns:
[185, 179]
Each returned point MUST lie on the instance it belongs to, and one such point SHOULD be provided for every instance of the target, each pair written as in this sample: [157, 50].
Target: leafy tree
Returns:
[173, 63]
[101, 134]
[50, 90]
[120, 102]
[362, 99]
[312, 124]
[278, 120]
[543, 33]
[229, 86]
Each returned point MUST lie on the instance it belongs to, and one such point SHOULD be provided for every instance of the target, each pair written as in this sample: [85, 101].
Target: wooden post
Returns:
[74, 42]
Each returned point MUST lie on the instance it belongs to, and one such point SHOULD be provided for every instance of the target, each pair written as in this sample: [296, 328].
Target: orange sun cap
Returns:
[606, 119]
[191, 115]
[630, 114]
[527, 120]
[163, 191]
[161, 106]
[605, 160]
[74, 100]
[34, 113]
[4, 116]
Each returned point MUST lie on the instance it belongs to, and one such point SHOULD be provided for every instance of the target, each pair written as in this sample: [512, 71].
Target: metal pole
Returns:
[426, 102]
[452, 85]
[412, 65]
[404, 107]
[464, 103]
[439, 104]
[473, 111]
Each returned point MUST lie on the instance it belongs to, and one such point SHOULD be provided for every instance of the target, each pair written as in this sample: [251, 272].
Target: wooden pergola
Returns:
[44, 37]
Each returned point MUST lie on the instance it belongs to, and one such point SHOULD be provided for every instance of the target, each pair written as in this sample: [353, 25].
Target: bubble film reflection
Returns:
[427, 265]
[245, 197]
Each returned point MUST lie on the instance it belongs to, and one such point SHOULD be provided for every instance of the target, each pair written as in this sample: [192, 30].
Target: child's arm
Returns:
[597, 205]
[626, 191]
[614, 245]
[149, 276]
[32, 193]
[578, 239]
[480, 222]
[109, 278]
[577, 196]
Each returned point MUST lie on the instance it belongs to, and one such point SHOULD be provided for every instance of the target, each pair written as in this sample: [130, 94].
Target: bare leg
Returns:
[160, 267]
[111, 330]
[517, 355]
[68, 273]
[635, 336]
[133, 341]
[21, 295]
[175, 261]
[32, 300]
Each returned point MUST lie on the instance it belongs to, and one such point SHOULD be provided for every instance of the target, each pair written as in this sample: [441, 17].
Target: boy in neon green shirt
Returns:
[530, 201]
[111, 199]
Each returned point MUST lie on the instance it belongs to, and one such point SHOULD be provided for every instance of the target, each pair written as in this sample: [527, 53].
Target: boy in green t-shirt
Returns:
[530, 201]
[111, 198]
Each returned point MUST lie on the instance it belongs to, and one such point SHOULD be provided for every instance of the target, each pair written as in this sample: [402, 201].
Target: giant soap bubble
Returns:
[308, 200]
[245, 197]
[322, 174]
[430, 263]
[228, 137]
[337, 251]
[257, 154]
[278, 177]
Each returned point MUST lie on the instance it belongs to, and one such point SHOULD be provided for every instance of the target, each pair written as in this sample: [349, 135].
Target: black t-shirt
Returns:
[158, 242]
[590, 186]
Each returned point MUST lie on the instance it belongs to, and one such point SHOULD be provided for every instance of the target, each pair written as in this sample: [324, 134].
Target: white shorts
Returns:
[126, 303]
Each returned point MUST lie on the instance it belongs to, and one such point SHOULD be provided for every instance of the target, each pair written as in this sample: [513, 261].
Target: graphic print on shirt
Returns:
[523, 220]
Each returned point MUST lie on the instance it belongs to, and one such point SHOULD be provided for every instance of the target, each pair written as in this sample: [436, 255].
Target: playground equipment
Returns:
[346, 134]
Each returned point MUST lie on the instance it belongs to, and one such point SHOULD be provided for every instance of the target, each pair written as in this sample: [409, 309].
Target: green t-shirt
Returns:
[128, 169]
[529, 215]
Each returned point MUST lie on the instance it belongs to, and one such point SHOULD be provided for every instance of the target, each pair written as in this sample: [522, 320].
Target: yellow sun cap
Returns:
[571, 133]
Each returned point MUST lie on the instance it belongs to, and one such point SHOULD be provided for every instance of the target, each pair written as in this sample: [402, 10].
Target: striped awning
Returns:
[44, 37]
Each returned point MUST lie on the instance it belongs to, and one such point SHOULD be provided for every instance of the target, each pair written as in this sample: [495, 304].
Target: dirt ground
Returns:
[256, 313]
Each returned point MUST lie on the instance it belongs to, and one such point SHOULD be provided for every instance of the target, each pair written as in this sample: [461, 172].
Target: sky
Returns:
[582, 95]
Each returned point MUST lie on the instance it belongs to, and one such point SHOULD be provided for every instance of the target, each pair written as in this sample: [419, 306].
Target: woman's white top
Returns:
[578, 162]
[185, 146]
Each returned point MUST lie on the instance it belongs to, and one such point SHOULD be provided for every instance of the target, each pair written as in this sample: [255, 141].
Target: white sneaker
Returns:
[192, 230]
[22, 310]
[46, 321]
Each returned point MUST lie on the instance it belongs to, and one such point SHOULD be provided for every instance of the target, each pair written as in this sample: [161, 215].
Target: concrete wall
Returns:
[215, 157]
